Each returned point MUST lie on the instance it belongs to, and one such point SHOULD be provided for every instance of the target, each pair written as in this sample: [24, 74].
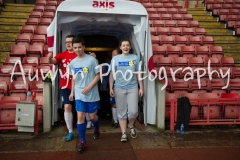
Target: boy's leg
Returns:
[92, 110]
[68, 116]
[81, 126]
[89, 123]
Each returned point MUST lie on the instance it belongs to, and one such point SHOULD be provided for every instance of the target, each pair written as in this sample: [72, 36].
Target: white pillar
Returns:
[47, 106]
[160, 98]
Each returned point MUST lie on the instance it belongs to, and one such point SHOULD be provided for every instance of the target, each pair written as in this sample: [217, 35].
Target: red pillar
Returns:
[186, 4]
[196, 5]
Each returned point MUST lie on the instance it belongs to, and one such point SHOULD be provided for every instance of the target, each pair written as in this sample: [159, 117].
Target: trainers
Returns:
[179, 131]
[81, 146]
[133, 133]
[96, 134]
[69, 136]
[89, 124]
[124, 137]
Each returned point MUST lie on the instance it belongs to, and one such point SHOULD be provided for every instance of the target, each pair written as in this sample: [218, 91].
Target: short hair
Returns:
[70, 36]
[124, 40]
[78, 39]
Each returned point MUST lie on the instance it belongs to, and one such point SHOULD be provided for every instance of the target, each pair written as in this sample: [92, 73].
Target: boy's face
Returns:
[78, 48]
[125, 47]
[114, 52]
[68, 43]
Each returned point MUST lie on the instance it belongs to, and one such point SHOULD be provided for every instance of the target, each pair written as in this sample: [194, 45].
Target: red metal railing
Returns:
[186, 5]
[209, 111]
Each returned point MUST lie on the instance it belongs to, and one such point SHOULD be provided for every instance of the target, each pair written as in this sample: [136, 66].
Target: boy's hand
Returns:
[86, 90]
[111, 93]
[141, 92]
[92, 54]
[50, 55]
[71, 96]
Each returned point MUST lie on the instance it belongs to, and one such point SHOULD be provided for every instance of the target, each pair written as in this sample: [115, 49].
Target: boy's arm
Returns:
[93, 83]
[111, 84]
[51, 60]
[72, 90]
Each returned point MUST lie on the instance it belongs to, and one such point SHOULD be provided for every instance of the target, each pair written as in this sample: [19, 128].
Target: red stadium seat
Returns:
[21, 95]
[187, 17]
[202, 51]
[169, 23]
[18, 50]
[161, 10]
[177, 16]
[151, 10]
[177, 5]
[198, 85]
[45, 21]
[48, 15]
[180, 40]
[153, 30]
[162, 31]
[50, 8]
[35, 14]
[38, 38]
[44, 61]
[175, 31]
[154, 16]
[207, 40]
[37, 86]
[11, 60]
[187, 31]
[164, 61]
[172, 10]
[182, 11]
[193, 24]
[157, 5]
[180, 61]
[195, 40]
[180, 84]
[164, 39]
[18, 86]
[41, 2]
[28, 29]
[165, 16]
[200, 31]
[181, 23]
[30, 60]
[234, 11]
[227, 61]
[187, 51]
[216, 84]
[236, 72]
[213, 61]
[196, 61]
[52, 3]
[28, 69]
[41, 30]
[167, 5]
[38, 8]
[147, 5]
[172, 51]
[6, 70]
[158, 23]
[216, 51]
[23, 38]
[226, 6]
[32, 21]
[43, 69]
[3, 87]
[35, 50]
[155, 39]
[234, 84]
[159, 50]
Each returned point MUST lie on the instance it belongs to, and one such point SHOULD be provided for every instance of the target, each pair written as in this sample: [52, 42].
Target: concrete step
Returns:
[224, 38]
[229, 47]
[8, 35]
[19, 5]
[14, 13]
[205, 20]
[212, 27]
[227, 41]
[7, 27]
[208, 30]
[209, 23]
[13, 23]
[17, 10]
[13, 20]
[202, 17]
[196, 9]
[219, 34]
[15, 16]
[4, 54]
[235, 55]
[5, 46]
[7, 39]
[198, 12]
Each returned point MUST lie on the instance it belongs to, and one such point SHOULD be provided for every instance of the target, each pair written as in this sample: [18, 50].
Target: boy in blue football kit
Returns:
[126, 76]
[85, 89]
